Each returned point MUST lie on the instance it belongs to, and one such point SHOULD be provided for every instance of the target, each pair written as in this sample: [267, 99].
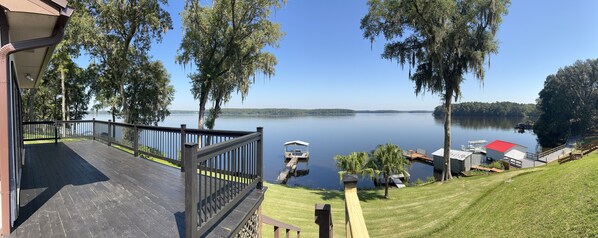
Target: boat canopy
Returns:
[296, 142]
[471, 142]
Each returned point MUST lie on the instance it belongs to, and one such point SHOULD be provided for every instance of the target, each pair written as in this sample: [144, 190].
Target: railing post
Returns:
[109, 133]
[191, 191]
[260, 157]
[348, 181]
[93, 129]
[276, 232]
[55, 131]
[183, 142]
[135, 141]
[324, 220]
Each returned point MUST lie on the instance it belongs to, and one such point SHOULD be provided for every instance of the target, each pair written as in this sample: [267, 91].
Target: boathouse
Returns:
[461, 161]
[499, 150]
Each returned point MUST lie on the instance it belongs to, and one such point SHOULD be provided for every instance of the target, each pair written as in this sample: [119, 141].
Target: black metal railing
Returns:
[39, 130]
[166, 143]
[223, 174]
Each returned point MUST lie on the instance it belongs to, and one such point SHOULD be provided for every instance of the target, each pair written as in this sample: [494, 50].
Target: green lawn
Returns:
[557, 200]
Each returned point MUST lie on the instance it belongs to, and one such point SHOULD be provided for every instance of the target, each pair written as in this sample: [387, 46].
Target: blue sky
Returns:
[324, 62]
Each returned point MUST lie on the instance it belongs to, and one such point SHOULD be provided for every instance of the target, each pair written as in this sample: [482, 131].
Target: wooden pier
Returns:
[413, 155]
[487, 169]
[290, 168]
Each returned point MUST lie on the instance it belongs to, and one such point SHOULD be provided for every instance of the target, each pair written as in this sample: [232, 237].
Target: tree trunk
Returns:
[387, 178]
[446, 170]
[202, 112]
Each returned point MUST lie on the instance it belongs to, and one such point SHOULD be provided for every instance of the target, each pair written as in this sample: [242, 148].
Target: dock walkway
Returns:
[289, 168]
[487, 169]
[412, 155]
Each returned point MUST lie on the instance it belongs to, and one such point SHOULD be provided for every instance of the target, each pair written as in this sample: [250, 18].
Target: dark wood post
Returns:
[93, 128]
[183, 142]
[109, 133]
[260, 157]
[135, 141]
[324, 220]
[191, 191]
[55, 131]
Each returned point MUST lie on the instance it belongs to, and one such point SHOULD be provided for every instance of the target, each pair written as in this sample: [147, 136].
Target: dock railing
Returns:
[218, 176]
[354, 221]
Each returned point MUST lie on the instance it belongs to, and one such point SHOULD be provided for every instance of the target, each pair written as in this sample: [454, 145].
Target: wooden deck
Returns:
[87, 189]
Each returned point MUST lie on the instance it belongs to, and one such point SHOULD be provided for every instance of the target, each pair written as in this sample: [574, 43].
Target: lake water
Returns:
[333, 135]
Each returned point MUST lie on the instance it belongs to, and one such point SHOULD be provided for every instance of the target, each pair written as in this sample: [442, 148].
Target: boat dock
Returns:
[290, 168]
[419, 155]
[487, 169]
[294, 152]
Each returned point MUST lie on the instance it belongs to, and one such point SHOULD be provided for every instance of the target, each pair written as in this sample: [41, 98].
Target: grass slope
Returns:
[561, 201]
[554, 201]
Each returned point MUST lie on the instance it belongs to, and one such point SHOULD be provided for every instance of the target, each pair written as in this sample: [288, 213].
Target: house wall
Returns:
[438, 162]
[495, 155]
[467, 163]
[456, 166]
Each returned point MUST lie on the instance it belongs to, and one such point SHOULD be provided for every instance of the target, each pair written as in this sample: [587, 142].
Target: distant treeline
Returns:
[286, 112]
[495, 109]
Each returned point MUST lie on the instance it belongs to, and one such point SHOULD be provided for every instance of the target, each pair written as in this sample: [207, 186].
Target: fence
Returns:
[218, 176]
[166, 143]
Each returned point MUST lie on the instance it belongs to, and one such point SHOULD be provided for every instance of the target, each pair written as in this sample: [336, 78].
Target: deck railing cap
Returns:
[349, 179]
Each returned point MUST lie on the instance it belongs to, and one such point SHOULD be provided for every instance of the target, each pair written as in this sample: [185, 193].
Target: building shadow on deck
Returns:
[180, 223]
[49, 168]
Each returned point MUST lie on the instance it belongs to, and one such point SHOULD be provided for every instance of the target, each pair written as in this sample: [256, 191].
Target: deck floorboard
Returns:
[88, 189]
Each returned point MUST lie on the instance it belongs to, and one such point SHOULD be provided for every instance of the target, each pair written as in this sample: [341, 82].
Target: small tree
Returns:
[357, 163]
[389, 159]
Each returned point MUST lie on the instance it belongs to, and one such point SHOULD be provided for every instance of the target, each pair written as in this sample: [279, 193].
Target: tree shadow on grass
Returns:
[364, 195]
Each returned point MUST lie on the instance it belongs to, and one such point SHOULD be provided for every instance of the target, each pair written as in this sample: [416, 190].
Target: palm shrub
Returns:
[355, 163]
[389, 159]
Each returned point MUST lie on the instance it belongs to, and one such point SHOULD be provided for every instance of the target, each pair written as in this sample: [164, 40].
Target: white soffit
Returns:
[26, 26]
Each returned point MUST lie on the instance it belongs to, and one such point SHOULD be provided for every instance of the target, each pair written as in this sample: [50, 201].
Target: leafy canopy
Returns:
[441, 39]
[568, 103]
[125, 31]
[225, 42]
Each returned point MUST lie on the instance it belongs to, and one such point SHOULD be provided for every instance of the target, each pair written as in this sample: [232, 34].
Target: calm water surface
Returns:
[332, 135]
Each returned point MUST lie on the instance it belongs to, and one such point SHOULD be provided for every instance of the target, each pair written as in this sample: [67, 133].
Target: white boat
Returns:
[475, 146]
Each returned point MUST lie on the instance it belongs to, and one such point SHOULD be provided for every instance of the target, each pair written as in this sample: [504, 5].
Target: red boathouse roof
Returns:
[500, 146]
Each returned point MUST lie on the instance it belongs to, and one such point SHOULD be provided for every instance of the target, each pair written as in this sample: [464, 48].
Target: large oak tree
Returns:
[126, 29]
[442, 40]
[225, 43]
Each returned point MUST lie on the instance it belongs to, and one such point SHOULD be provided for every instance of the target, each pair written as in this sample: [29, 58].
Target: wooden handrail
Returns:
[280, 225]
[354, 221]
